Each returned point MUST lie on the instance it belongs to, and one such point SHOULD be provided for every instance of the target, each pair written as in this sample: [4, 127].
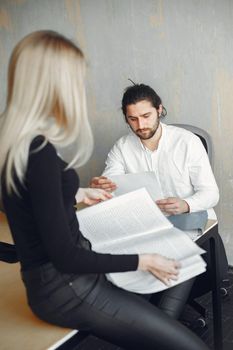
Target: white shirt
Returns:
[180, 163]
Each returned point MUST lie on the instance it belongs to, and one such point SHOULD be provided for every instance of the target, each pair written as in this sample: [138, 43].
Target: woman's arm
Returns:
[44, 179]
[91, 196]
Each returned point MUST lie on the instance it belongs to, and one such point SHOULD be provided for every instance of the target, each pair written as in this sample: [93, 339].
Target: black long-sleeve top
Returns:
[43, 222]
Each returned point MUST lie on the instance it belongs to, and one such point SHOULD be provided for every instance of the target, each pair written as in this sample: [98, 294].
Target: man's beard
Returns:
[148, 132]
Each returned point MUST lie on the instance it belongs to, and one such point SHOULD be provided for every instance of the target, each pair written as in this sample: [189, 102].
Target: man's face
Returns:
[143, 119]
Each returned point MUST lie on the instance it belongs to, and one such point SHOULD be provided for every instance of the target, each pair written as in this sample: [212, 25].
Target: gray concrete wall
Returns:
[182, 48]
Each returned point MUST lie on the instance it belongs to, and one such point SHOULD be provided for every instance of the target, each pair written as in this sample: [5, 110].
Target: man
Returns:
[176, 155]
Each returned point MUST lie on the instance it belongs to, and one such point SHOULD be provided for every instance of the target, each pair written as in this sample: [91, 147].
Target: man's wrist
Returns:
[187, 207]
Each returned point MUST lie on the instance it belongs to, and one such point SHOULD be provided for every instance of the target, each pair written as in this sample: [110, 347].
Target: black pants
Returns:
[90, 302]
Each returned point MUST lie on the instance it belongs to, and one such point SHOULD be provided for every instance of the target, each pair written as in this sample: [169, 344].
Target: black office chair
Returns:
[8, 253]
[207, 143]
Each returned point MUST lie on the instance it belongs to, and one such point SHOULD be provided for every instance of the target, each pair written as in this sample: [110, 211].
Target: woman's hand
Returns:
[161, 267]
[90, 196]
[103, 182]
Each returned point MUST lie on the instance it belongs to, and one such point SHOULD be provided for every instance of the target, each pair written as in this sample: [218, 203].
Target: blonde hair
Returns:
[46, 96]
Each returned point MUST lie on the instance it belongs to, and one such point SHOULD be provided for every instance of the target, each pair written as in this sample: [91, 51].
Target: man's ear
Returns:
[160, 110]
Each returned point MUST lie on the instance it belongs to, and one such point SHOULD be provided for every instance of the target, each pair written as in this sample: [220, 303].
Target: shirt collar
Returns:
[161, 141]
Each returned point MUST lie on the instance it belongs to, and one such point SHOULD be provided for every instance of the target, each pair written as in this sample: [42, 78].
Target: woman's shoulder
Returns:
[37, 141]
[40, 146]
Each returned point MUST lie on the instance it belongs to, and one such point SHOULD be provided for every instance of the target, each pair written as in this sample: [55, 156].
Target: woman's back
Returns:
[34, 208]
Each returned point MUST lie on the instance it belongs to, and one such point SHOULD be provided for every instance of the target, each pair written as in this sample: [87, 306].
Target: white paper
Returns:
[131, 182]
[133, 224]
[171, 243]
[121, 217]
[145, 283]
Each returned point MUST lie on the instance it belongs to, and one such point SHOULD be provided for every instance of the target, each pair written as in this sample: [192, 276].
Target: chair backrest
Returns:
[204, 137]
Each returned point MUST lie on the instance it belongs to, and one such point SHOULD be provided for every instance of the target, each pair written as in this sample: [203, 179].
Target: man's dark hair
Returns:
[140, 92]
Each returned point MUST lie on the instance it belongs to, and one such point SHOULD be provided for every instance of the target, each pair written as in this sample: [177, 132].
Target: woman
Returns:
[64, 278]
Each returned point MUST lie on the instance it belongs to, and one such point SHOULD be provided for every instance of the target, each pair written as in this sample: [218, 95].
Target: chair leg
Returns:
[199, 308]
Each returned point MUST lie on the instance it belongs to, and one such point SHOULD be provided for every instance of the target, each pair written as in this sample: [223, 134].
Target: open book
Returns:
[132, 223]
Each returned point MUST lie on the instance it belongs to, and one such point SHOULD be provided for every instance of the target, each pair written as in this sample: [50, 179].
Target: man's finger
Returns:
[168, 206]
[107, 186]
[166, 201]
[107, 183]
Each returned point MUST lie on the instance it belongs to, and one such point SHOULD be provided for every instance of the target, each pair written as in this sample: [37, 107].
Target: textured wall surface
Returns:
[182, 48]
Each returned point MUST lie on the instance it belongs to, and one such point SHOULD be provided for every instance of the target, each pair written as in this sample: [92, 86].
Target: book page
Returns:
[145, 283]
[121, 218]
[131, 182]
[172, 243]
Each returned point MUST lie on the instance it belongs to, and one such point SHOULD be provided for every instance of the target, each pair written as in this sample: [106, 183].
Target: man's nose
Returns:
[141, 123]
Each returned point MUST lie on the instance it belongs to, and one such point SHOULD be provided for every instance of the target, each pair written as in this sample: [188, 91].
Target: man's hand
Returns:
[90, 196]
[103, 182]
[173, 205]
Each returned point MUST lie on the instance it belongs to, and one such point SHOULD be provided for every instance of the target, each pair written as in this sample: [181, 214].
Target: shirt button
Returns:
[70, 284]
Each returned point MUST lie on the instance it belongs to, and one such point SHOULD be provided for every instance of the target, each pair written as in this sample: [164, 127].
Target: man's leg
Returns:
[173, 300]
